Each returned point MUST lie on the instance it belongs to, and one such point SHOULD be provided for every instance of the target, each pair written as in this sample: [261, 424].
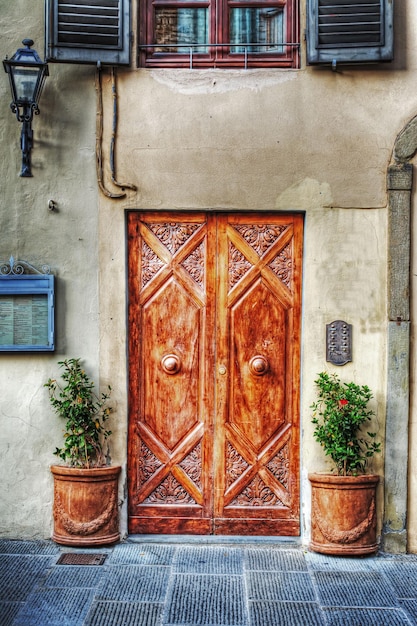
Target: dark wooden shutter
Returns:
[349, 31]
[88, 31]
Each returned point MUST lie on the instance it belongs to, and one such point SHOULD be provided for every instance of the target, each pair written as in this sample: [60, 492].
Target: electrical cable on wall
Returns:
[113, 137]
[99, 139]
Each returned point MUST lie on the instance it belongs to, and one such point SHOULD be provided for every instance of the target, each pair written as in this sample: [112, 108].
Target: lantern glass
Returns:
[25, 84]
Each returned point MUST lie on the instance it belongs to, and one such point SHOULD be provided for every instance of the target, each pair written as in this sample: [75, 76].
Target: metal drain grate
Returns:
[81, 558]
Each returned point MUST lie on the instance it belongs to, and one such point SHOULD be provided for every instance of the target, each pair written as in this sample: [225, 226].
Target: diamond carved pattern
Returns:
[170, 492]
[192, 465]
[281, 265]
[257, 494]
[235, 464]
[279, 466]
[194, 264]
[195, 285]
[260, 237]
[148, 464]
[238, 265]
[173, 235]
[151, 264]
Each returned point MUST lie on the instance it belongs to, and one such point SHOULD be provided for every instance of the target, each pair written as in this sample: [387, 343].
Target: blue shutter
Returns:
[349, 31]
[88, 31]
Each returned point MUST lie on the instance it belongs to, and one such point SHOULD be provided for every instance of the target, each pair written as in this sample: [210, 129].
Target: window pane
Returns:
[181, 28]
[263, 27]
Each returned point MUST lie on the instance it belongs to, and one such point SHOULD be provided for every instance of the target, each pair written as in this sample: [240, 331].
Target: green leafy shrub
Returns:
[339, 414]
[85, 414]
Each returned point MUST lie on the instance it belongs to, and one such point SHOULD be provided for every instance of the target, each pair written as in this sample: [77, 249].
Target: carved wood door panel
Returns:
[214, 337]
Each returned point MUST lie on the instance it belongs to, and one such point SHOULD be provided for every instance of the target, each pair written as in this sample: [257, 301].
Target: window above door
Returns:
[175, 33]
[218, 33]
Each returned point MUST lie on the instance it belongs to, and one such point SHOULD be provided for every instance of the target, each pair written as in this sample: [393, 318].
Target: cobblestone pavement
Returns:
[198, 583]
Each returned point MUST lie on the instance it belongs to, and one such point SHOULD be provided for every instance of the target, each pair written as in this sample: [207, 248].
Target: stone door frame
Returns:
[399, 188]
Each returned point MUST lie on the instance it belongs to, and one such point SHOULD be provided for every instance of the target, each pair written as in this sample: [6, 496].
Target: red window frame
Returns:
[219, 53]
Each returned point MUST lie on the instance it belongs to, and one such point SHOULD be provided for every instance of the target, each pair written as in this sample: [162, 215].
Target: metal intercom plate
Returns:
[339, 342]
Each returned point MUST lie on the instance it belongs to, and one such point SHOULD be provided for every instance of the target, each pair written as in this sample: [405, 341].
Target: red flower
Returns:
[343, 403]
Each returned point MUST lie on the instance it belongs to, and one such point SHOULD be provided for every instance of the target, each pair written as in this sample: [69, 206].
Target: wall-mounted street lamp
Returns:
[27, 75]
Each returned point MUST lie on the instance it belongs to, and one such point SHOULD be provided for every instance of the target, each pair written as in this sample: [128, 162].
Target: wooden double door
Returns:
[214, 342]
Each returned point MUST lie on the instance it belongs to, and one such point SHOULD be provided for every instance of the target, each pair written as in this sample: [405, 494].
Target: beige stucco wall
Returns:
[311, 140]
[63, 167]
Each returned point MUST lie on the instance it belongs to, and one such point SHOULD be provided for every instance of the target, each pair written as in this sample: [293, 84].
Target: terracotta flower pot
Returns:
[343, 514]
[86, 505]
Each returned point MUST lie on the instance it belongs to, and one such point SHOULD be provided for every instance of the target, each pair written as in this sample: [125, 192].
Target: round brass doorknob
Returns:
[258, 365]
[171, 364]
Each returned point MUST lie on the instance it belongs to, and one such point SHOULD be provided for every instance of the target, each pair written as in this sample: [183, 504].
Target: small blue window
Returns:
[27, 313]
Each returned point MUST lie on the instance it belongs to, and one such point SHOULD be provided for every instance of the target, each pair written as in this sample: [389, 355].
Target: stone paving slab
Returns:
[206, 600]
[401, 576]
[8, 612]
[216, 560]
[19, 574]
[275, 560]
[365, 617]
[87, 577]
[353, 589]
[124, 614]
[134, 583]
[280, 586]
[55, 607]
[28, 547]
[410, 606]
[286, 614]
[328, 563]
[132, 554]
[191, 584]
